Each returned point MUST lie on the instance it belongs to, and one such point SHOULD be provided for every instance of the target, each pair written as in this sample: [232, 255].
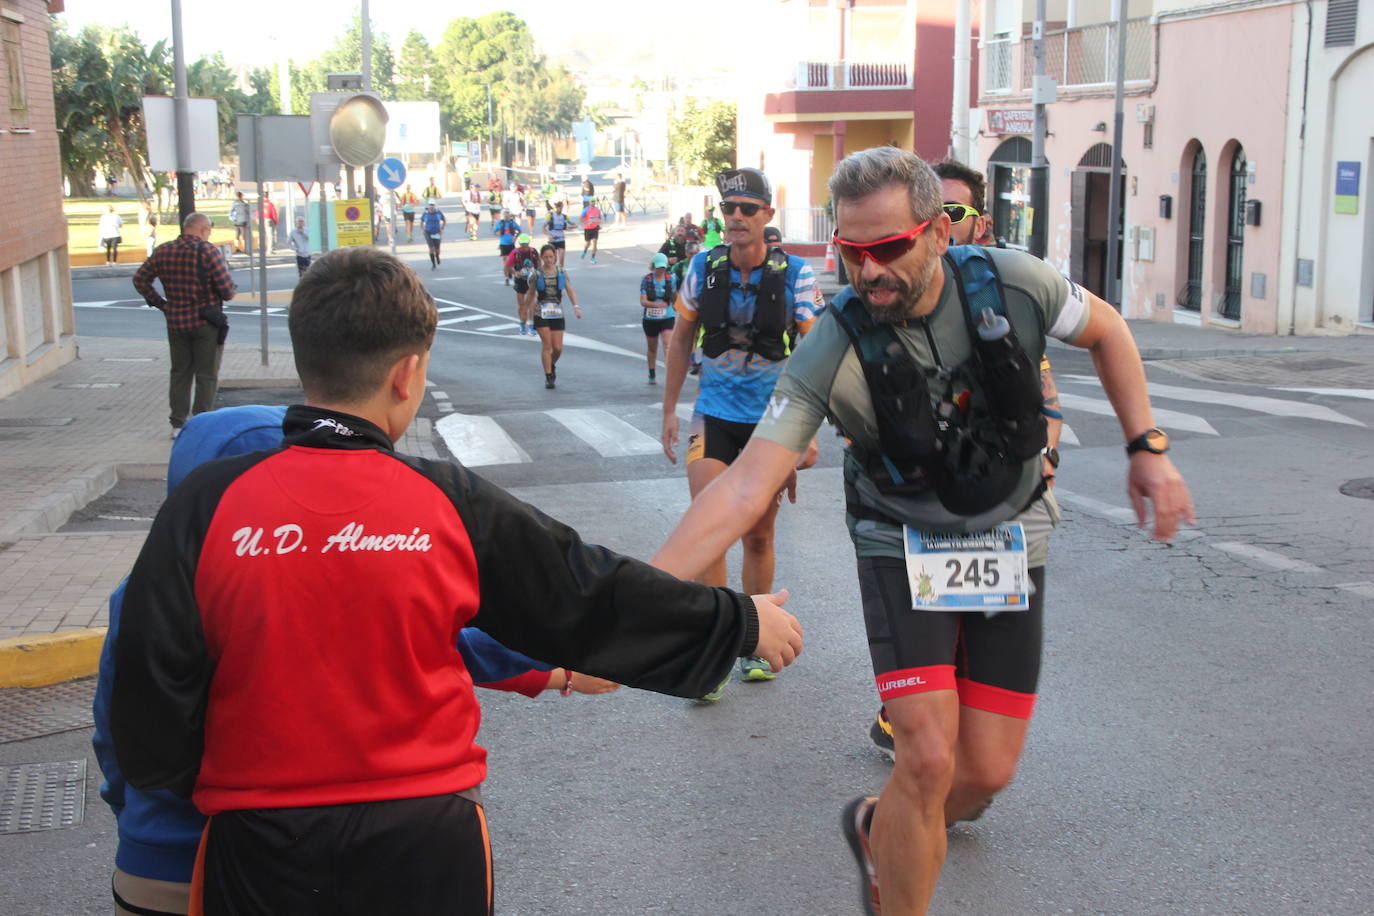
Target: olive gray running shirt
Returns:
[824, 380]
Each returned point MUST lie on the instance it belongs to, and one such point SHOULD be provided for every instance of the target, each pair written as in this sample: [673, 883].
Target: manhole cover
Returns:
[31, 712]
[42, 796]
[1321, 362]
[1361, 488]
[34, 421]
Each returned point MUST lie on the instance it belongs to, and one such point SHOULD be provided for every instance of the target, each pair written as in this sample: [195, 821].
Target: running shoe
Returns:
[716, 694]
[856, 821]
[584, 254]
[508, 281]
[881, 733]
[593, 259]
[548, 380]
[754, 668]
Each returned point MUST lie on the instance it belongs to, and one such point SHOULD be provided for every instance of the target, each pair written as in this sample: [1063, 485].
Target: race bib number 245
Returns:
[985, 571]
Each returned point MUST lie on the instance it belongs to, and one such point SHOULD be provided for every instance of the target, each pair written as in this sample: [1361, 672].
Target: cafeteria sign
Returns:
[1011, 121]
[353, 222]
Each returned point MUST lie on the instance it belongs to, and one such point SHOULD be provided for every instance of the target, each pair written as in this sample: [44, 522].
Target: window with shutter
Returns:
[1341, 16]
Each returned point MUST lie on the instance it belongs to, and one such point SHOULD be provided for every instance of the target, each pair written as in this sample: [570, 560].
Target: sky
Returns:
[259, 31]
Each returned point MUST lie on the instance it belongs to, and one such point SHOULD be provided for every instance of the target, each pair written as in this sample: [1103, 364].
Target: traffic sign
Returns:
[391, 172]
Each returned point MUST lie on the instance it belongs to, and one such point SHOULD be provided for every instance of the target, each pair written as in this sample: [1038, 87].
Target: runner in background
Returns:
[712, 228]
[591, 227]
[557, 228]
[550, 283]
[521, 265]
[618, 196]
[657, 293]
[409, 201]
[472, 205]
[432, 224]
[506, 230]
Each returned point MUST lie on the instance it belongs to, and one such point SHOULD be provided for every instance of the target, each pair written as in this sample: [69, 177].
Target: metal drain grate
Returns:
[42, 796]
[31, 712]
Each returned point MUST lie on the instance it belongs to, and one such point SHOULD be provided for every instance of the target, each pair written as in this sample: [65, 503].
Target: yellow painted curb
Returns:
[36, 661]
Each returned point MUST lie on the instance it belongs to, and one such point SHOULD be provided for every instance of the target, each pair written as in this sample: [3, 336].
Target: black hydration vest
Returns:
[764, 333]
[669, 288]
[965, 431]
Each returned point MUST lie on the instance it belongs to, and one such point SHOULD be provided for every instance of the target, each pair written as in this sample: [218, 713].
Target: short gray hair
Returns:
[194, 221]
[868, 171]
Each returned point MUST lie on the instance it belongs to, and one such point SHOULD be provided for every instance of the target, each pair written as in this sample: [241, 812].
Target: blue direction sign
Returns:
[391, 173]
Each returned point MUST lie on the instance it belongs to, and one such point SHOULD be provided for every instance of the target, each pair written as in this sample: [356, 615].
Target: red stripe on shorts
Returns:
[996, 699]
[906, 681]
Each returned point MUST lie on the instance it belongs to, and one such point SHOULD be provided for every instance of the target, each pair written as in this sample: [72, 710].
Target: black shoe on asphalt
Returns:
[548, 380]
[881, 733]
[856, 821]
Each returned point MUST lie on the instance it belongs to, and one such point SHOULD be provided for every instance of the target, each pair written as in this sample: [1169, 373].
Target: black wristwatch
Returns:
[1051, 455]
[1153, 440]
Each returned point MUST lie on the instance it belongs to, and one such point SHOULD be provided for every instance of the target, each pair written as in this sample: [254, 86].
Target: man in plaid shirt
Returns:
[195, 284]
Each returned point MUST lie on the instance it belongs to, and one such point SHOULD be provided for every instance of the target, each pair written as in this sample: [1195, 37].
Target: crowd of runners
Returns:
[361, 795]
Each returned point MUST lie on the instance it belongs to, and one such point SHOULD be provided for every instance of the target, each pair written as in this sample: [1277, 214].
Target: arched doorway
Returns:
[1235, 237]
[1089, 201]
[1009, 181]
[1191, 296]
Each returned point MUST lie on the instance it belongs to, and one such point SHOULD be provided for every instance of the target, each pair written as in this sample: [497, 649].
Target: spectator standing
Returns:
[299, 240]
[268, 211]
[618, 196]
[111, 229]
[195, 285]
[239, 215]
[147, 221]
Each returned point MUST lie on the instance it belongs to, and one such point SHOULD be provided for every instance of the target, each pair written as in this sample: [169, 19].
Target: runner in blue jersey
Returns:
[557, 226]
[506, 230]
[746, 297]
[432, 224]
[657, 293]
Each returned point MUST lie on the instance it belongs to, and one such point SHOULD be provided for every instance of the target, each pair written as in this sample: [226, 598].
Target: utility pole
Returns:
[367, 87]
[284, 88]
[1113, 291]
[959, 139]
[186, 179]
[1039, 190]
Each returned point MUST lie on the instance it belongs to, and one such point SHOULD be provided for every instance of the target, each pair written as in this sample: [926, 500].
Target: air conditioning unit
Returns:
[1144, 113]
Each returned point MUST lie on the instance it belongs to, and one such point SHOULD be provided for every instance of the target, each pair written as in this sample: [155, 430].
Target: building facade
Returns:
[1239, 118]
[847, 75]
[38, 333]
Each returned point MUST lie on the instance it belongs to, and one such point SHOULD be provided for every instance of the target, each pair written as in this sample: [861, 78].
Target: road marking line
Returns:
[1066, 434]
[439, 395]
[479, 441]
[611, 436]
[1365, 589]
[448, 321]
[124, 518]
[1268, 557]
[450, 308]
[497, 327]
[1365, 393]
[1096, 507]
[1168, 419]
[1277, 407]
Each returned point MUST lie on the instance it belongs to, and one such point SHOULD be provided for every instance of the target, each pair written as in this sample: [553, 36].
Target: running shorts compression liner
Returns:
[993, 662]
[712, 437]
[411, 855]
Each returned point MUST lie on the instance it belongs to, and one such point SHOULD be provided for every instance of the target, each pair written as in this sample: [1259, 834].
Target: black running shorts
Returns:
[589, 235]
[711, 437]
[559, 244]
[412, 855]
[993, 662]
[506, 250]
[522, 284]
[656, 326]
[553, 324]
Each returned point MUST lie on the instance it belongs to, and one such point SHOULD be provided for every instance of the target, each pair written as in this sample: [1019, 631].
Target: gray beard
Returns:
[904, 306]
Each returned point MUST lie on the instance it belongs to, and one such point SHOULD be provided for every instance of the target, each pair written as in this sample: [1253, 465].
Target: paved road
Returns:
[1201, 742]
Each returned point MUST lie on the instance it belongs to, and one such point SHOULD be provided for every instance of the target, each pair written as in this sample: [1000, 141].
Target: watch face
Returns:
[1156, 440]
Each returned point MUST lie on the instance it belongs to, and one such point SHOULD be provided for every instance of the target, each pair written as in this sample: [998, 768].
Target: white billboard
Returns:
[159, 123]
[413, 127]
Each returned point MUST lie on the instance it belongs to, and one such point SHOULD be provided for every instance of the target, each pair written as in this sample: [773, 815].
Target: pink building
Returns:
[1217, 228]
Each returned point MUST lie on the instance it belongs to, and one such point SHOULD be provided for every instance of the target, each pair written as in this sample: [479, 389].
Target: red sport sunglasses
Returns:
[884, 251]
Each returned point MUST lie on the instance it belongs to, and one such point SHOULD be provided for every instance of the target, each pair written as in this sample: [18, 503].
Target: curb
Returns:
[37, 661]
[52, 513]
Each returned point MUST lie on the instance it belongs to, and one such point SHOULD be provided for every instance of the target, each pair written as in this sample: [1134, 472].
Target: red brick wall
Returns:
[31, 220]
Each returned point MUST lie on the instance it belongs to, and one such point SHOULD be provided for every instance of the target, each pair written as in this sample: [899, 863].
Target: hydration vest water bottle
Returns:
[1013, 384]
[993, 326]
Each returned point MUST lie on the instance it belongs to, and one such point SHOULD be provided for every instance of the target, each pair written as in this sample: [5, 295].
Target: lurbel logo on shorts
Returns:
[900, 682]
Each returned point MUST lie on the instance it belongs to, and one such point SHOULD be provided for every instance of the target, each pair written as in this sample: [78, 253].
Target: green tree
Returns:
[480, 54]
[701, 139]
[77, 64]
[347, 57]
[418, 77]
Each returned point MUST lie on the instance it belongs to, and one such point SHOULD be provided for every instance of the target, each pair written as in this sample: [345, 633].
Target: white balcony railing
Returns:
[1086, 56]
[852, 74]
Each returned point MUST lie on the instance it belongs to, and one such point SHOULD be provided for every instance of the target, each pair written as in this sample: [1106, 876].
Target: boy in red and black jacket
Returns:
[286, 655]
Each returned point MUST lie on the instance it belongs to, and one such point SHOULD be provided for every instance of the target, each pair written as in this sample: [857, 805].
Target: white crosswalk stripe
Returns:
[1167, 419]
[611, 436]
[1277, 407]
[479, 441]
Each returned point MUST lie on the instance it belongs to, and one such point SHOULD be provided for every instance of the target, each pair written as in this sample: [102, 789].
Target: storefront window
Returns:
[1011, 205]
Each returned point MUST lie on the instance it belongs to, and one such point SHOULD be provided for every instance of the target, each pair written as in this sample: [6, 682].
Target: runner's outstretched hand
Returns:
[780, 634]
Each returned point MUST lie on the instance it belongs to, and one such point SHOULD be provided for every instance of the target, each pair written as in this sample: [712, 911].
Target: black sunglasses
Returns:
[728, 207]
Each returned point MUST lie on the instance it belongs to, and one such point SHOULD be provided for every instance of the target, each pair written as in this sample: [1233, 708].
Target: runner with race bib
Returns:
[550, 283]
[657, 293]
